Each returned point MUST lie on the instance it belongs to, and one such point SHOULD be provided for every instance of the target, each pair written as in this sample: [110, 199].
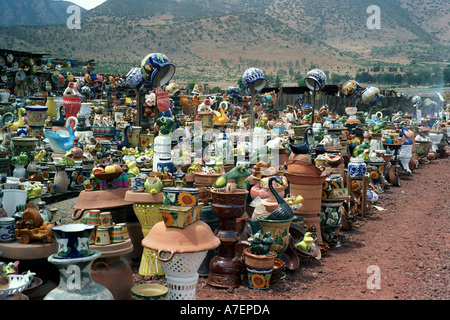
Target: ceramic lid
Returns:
[193, 238]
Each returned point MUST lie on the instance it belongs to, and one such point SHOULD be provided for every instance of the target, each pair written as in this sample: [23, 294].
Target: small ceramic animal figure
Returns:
[305, 244]
[239, 174]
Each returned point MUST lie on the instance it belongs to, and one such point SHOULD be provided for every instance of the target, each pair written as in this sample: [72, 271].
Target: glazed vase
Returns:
[224, 268]
[259, 269]
[356, 168]
[76, 282]
[72, 104]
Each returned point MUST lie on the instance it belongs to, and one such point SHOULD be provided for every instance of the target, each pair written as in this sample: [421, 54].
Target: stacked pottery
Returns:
[181, 252]
[308, 184]
[74, 254]
[146, 208]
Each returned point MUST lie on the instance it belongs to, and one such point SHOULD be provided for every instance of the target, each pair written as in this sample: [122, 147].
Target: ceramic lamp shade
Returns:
[315, 79]
[253, 78]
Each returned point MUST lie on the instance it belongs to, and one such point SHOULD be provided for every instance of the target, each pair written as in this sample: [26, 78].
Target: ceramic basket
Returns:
[180, 217]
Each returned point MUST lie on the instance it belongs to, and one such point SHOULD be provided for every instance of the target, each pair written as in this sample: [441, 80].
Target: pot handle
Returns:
[102, 263]
[172, 253]
[321, 168]
[76, 216]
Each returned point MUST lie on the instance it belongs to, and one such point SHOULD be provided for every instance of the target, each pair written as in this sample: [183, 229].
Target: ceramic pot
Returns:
[25, 144]
[356, 168]
[330, 213]
[73, 240]
[156, 68]
[165, 165]
[279, 230]
[7, 229]
[36, 116]
[315, 80]
[22, 132]
[19, 171]
[376, 173]
[296, 166]
[253, 78]
[84, 288]
[259, 269]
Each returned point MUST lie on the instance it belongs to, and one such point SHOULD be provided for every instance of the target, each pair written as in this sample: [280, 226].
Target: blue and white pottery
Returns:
[22, 132]
[155, 67]
[416, 100]
[165, 165]
[137, 184]
[254, 78]
[72, 240]
[7, 229]
[356, 168]
[315, 79]
[134, 78]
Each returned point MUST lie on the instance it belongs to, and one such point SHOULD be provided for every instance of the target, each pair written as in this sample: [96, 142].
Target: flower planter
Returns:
[259, 269]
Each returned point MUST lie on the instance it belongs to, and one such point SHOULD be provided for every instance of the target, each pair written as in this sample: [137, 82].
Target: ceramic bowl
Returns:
[149, 291]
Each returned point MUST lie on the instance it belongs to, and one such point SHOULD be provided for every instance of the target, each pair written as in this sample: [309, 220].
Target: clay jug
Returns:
[61, 180]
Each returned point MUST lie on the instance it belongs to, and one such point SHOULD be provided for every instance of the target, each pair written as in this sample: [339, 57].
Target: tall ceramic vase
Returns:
[75, 280]
[72, 104]
[51, 107]
[61, 179]
[330, 214]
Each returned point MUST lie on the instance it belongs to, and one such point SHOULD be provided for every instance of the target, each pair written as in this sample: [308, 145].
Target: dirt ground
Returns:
[405, 242]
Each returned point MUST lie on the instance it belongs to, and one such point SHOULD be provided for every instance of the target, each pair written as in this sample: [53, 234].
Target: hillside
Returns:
[215, 41]
[34, 12]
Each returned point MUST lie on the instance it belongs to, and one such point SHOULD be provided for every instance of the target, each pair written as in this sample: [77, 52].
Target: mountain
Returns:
[215, 41]
[34, 12]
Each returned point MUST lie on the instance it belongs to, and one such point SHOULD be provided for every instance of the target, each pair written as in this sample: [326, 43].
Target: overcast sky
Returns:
[87, 4]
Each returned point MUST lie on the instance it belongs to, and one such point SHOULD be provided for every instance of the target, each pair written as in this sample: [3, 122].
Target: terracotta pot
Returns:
[302, 167]
[259, 269]
[115, 274]
[205, 179]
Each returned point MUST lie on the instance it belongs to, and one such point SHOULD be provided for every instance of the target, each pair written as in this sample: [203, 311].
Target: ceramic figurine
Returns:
[305, 244]
[239, 174]
[153, 185]
[284, 210]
